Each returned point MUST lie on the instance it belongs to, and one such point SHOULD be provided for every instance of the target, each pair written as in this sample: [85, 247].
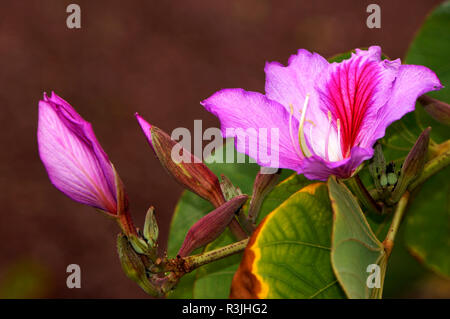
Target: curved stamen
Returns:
[328, 136]
[291, 114]
[338, 123]
[301, 136]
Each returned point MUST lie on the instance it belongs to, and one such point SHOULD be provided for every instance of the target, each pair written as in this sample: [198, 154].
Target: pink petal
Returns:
[317, 168]
[411, 82]
[254, 113]
[290, 84]
[353, 91]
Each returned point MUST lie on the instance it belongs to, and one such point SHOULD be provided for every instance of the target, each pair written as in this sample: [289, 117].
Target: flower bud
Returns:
[211, 225]
[228, 189]
[151, 230]
[189, 172]
[75, 161]
[133, 266]
[413, 165]
[139, 245]
[438, 110]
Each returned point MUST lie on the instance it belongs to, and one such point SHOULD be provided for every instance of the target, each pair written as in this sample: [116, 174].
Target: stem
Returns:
[432, 167]
[398, 216]
[237, 229]
[195, 261]
[126, 223]
[363, 194]
[263, 185]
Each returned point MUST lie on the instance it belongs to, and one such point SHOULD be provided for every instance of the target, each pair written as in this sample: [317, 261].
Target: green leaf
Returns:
[427, 226]
[430, 48]
[355, 246]
[214, 280]
[288, 256]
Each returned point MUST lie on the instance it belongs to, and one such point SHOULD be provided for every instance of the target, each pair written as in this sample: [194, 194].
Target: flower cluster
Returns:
[327, 117]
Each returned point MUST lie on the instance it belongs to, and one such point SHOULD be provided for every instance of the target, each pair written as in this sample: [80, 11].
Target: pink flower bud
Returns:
[211, 225]
[192, 174]
[438, 110]
[76, 163]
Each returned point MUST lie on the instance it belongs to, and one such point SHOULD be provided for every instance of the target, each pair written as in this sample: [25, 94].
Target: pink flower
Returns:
[76, 163]
[329, 115]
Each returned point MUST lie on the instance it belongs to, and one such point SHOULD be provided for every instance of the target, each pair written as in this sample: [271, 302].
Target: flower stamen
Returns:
[328, 136]
[291, 114]
[301, 135]
[338, 123]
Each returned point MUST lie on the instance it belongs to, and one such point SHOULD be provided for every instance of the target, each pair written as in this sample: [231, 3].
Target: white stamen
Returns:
[327, 142]
[291, 133]
[338, 122]
[301, 136]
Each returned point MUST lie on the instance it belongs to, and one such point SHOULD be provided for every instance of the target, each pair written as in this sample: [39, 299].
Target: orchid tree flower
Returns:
[76, 163]
[328, 115]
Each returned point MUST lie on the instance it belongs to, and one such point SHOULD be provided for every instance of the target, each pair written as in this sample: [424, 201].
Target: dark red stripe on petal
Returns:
[348, 94]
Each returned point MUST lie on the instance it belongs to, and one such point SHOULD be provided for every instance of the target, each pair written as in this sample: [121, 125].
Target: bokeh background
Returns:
[159, 58]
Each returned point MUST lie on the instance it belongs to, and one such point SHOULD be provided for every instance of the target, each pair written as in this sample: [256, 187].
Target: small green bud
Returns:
[383, 180]
[391, 179]
[228, 189]
[138, 244]
[151, 230]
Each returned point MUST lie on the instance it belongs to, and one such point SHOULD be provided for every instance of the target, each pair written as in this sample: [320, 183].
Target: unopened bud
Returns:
[151, 230]
[413, 165]
[139, 245]
[211, 225]
[263, 184]
[228, 189]
[133, 266]
[438, 110]
[190, 171]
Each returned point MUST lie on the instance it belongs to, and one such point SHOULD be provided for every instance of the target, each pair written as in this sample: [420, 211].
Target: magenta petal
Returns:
[290, 84]
[411, 82]
[353, 92]
[317, 168]
[254, 114]
[75, 161]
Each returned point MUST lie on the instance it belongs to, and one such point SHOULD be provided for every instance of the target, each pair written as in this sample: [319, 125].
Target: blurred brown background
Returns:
[159, 58]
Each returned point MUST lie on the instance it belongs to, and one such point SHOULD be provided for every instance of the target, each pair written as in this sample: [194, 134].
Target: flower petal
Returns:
[411, 82]
[75, 162]
[290, 84]
[263, 123]
[353, 91]
[317, 168]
